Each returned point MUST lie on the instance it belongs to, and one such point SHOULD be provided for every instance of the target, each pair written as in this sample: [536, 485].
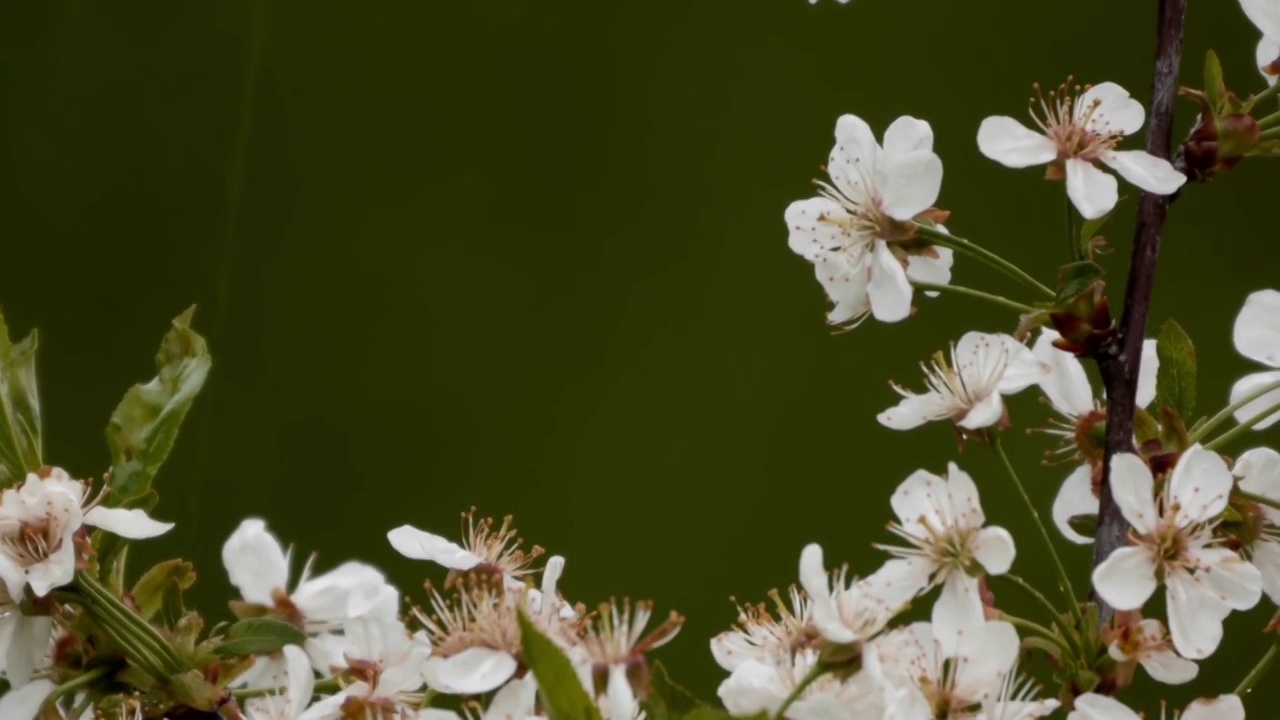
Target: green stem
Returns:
[80, 681]
[1258, 670]
[1063, 579]
[1269, 134]
[981, 253]
[1038, 629]
[1226, 413]
[816, 672]
[1269, 92]
[134, 634]
[1241, 429]
[1268, 121]
[1054, 613]
[1260, 499]
[959, 290]
[323, 687]
[1073, 242]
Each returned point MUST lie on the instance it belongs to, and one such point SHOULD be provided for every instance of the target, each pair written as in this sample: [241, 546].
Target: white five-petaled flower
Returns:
[845, 610]
[24, 702]
[1147, 642]
[38, 523]
[1091, 706]
[968, 389]
[942, 520]
[258, 566]
[761, 686]
[760, 636]
[1173, 541]
[25, 641]
[483, 547]
[1076, 130]
[1069, 392]
[1257, 336]
[975, 679]
[517, 700]
[1258, 471]
[1265, 14]
[848, 232]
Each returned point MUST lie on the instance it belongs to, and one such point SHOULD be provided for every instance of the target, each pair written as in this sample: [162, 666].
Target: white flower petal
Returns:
[418, 544]
[53, 572]
[1265, 14]
[854, 159]
[811, 234]
[957, 613]
[845, 279]
[1195, 616]
[301, 681]
[1250, 384]
[1116, 111]
[1022, 368]
[1066, 384]
[23, 703]
[985, 658]
[1145, 171]
[1127, 578]
[1168, 667]
[473, 671]
[912, 184]
[899, 581]
[1268, 52]
[751, 689]
[994, 550]
[889, 289]
[921, 268]
[1237, 583]
[255, 562]
[985, 413]
[1256, 332]
[915, 410]
[1093, 192]
[1199, 486]
[29, 637]
[1075, 498]
[1091, 706]
[1134, 491]
[1266, 557]
[515, 701]
[134, 524]
[1223, 707]
[921, 502]
[907, 135]
[326, 597]
[1148, 368]
[962, 494]
[1013, 144]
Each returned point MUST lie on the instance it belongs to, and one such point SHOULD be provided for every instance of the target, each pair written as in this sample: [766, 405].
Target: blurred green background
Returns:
[530, 256]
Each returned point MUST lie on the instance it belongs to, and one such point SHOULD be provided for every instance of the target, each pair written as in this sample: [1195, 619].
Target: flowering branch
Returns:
[1118, 360]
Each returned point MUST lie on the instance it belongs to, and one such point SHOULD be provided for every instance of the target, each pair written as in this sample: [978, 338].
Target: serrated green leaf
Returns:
[1215, 89]
[558, 684]
[20, 448]
[668, 698]
[1076, 278]
[1176, 378]
[150, 590]
[258, 636]
[145, 423]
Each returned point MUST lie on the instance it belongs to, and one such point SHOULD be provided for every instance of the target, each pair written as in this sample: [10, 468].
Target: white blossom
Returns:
[1173, 542]
[1147, 643]
[483, 547]
[968, 390]
[1258, 472]
[517, 700]
[1257, 336]
[942, 521]
[25, 640]
[760, 636]
[849, 231]
[38, 522]
[845, 611]
[298, 682]
[1265, 14]
[24, 702]
[1070, 393]
[1075, 133]
[1091, 706]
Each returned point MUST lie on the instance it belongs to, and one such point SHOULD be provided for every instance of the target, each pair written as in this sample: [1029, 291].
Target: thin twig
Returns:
[1118, 362]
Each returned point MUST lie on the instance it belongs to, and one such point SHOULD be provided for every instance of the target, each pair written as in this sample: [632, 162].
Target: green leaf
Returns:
[666, 698]
[20, 448]
[1214, 87]
[145, 424]
[151, 590]
[1145, 428]
[192, 690]
[558, 682]
[1076, 278]
[258, 636]
[1176, 378]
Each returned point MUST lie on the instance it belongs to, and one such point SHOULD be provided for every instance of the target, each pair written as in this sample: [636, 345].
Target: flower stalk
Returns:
[997, 300]
[142, 643]
[974, 250]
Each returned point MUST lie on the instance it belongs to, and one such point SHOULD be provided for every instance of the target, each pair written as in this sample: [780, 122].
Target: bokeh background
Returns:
[530, 256]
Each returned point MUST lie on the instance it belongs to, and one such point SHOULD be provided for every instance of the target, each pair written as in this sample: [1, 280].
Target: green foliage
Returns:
[1215, 88]
[1176, 379]
[19, 408]
[666, 698]
[145, 423]
[558, 684]
[257, 636]
[1077, 278]
[154, 592]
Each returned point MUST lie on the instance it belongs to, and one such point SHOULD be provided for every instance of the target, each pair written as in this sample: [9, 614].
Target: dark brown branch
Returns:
[1118, 361]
